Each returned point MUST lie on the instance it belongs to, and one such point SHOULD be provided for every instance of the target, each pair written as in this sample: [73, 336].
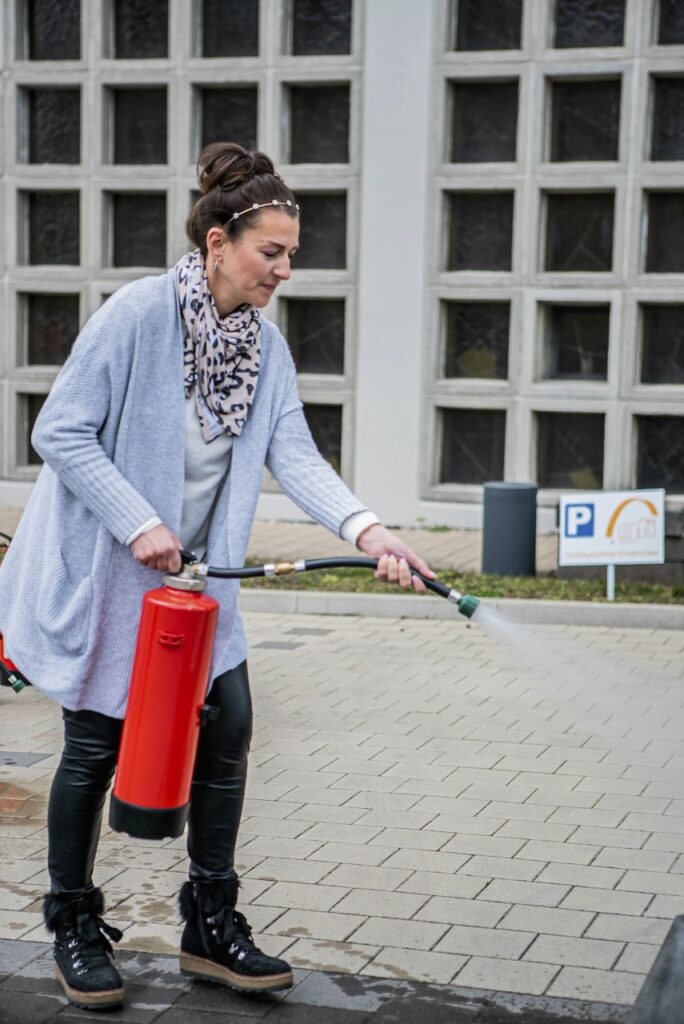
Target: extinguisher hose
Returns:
[467, 603]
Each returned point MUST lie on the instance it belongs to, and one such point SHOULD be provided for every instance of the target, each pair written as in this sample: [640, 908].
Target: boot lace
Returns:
[229, 926]
[88, 945]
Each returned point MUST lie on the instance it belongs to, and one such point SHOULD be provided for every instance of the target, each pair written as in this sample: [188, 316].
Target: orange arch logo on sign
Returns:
[623, 504]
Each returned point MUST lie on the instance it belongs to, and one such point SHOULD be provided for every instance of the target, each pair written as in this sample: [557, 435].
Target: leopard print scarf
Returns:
[221, 355]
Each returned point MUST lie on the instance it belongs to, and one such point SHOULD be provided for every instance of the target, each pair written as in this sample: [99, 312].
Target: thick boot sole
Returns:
[90, 1000]
[207, 970]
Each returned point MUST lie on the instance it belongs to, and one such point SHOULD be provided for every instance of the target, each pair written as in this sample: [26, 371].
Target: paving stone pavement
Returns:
[275, 541]
[428, 801]
[156, 992]
[442, 548]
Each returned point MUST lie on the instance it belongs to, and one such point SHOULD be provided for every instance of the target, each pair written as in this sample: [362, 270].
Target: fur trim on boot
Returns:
[213, 896]
[57, 908]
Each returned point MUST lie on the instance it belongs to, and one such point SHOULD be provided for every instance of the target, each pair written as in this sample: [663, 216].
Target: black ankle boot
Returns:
[83, 956]
[216, 944]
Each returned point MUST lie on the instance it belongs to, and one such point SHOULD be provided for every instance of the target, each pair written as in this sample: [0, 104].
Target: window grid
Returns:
[528, 392]
[97, 180]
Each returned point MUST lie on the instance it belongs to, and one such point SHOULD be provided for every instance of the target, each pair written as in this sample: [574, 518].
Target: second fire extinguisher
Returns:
[165, 710]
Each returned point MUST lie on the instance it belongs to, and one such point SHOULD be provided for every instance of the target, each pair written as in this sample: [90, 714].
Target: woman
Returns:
[154, 437]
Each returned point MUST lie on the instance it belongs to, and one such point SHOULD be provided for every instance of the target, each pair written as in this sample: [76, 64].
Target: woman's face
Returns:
[250, 269]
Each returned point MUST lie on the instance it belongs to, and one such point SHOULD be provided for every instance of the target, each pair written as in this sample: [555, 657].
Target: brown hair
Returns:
[231, 179]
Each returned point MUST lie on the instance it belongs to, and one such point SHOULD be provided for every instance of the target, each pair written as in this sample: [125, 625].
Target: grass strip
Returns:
[547, 587]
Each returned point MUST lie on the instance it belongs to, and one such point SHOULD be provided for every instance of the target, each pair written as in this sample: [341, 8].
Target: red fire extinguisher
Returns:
[9, 673]
[165, 710]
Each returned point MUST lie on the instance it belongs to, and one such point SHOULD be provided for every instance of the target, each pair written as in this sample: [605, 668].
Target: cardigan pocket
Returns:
[63, 608]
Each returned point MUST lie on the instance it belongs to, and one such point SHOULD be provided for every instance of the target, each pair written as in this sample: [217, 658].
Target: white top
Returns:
[206, 466]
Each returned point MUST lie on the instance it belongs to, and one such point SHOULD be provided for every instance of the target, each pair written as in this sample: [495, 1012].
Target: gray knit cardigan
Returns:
[111, 434]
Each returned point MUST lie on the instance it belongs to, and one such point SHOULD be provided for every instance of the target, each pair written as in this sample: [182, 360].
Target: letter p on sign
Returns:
[579, 520]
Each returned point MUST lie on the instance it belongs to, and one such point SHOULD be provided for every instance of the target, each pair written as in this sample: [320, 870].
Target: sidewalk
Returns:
[445, 549]
[156, 991]
[426, 802]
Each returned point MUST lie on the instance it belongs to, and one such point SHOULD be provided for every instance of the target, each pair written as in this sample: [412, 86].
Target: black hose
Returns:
[235, 574]
[371, 563]
[6, 537]
[346, 562]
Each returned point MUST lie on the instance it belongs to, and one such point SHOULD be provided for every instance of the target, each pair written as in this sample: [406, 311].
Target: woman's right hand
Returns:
[159, 548]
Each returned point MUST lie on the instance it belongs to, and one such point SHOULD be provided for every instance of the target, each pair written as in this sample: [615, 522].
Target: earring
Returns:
[216, 265]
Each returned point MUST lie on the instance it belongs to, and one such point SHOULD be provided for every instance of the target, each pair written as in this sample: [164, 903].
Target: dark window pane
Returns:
[570, 450]
[579, 233]
[480, 230]
[484, 121]
[51, 327]
[589, 22]
[585, 123]
[321, 26]
[54, 126]
[315, 332]
[319, 124]
[662, 346]
[668, 119]
[229, 115]
[577, 342]
[665, 250]
[476, 343]
[53, 227]
[139, 126]
[139, 229]
[472, 446]
[54, 29]
[325, 424]
[322, 232]
[660, 452]
[230, 28]
[141, 28]
[30, 406]
[488, 24]
[671, 22]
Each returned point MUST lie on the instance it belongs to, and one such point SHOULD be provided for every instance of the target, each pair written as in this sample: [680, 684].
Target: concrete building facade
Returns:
[492, 256]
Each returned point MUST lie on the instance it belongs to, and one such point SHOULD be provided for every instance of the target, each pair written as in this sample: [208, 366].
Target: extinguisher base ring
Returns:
[147, 822]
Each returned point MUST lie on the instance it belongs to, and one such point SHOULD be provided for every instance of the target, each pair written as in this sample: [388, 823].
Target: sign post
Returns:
[612, 528]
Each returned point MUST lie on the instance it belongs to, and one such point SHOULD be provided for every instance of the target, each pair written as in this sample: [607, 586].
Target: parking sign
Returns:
[612, 528]
[579, 520]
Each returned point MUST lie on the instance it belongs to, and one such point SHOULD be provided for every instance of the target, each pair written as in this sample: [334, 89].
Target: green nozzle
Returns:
[468, 605]
[17, 684]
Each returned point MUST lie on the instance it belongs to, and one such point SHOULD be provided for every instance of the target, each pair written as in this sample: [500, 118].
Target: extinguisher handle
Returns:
[190, 558]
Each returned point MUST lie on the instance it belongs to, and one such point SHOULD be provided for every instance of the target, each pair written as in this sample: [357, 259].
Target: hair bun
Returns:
[234, 180]
[226, 165]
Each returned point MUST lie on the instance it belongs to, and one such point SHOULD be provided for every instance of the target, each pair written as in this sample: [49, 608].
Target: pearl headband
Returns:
[260, 206]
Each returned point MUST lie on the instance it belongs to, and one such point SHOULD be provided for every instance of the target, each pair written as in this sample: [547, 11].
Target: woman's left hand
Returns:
[395, 558]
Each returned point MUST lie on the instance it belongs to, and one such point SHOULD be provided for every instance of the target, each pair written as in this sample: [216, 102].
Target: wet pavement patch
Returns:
[277, 645]
[22, 760]
[155, 991]
[308, 631]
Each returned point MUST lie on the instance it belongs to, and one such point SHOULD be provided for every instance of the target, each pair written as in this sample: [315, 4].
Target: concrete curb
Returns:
[317, 995]
[397, 606]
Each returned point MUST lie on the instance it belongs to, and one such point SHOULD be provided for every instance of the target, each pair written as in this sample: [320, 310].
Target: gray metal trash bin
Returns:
[510, 529]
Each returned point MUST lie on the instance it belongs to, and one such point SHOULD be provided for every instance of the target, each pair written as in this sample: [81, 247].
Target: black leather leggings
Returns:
[79, 788]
